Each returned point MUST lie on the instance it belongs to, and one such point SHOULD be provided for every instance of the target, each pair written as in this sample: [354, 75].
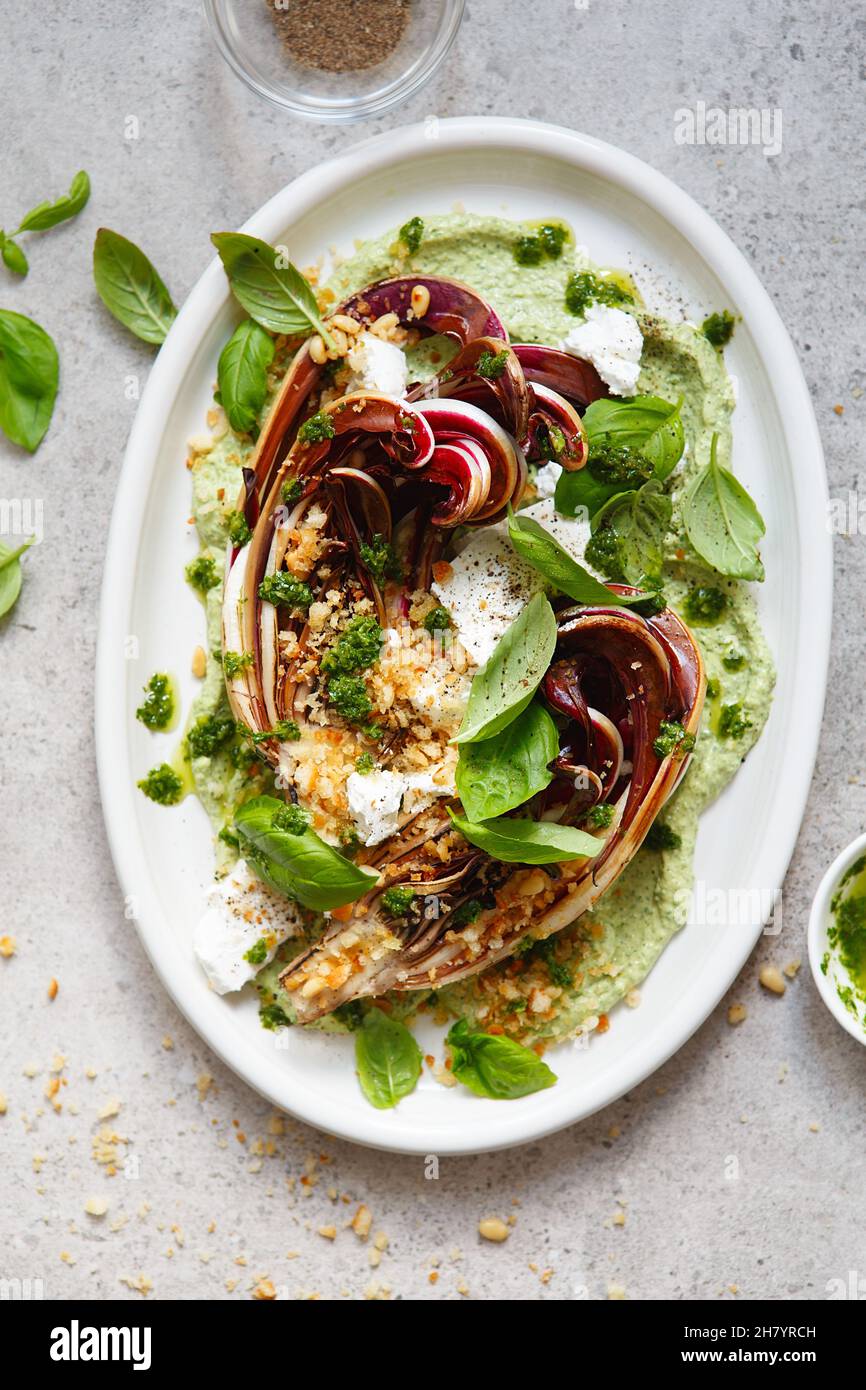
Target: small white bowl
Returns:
[819, 946]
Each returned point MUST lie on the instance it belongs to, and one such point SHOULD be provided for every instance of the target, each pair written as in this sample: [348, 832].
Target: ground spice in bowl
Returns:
[340, 35]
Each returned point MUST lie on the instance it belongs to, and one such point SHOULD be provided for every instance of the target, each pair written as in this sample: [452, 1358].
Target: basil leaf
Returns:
[301, 866]
[130, 287]
[640, 520]
[505, 685]
[518, 841]
[242, 375]
[29, 371]
[388, 1059]
[277, 297]
[581, 491]
[14, 258]
[46, 215]
[10, 575]
[723, 523]
[646, 423]
[538, 547]
[504, 771]
[496, 1067]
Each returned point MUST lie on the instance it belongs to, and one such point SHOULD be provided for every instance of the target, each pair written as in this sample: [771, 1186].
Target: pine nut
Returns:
[199, 662]
[341, 342]
[420, 300]
[736, 1014]
[346, 323]
[317, 350]
[770, 977]
[384, 325]
[493, 1228]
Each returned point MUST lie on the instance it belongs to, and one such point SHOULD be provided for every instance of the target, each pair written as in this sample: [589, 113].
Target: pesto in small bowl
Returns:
[837, 939]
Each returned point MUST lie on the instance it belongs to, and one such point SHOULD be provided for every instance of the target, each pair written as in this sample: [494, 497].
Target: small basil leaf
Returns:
[641, 520]
[518, 841]
[46, 215]
[648, 424]
[10, 575]
[582, 491]
[388, 1059]
[130, 287]
[301, 866]
[29, 371]
[629, 443]
[538, 547]
[722, 522]
[14, 258]
[278, 297]
[504, 771]
[505, 685]
[242, 374]
[496, 1067]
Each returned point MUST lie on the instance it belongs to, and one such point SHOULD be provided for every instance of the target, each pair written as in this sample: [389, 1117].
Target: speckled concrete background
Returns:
[739, 1165]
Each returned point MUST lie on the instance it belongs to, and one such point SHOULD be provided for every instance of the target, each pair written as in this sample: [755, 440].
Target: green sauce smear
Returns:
[158, 708]
[847, 934]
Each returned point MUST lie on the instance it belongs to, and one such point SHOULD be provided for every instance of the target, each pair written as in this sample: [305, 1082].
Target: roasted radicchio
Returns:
[406, 473]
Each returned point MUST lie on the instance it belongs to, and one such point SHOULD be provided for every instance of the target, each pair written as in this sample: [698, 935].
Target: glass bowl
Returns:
[248, 36]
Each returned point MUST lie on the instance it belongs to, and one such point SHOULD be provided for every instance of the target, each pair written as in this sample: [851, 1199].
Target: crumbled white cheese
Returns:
[611, 340]
[376, 799]
[441, 695]
[377, 366]
[241, 911]
[547, 477]
[489, 584]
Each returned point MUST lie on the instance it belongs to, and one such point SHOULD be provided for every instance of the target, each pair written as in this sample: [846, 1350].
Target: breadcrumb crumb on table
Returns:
[362, 1221]
[203, 1085]
[139, 1283]
[8, 946]
[264, 1291]
[736, 1014]
[616, 1293]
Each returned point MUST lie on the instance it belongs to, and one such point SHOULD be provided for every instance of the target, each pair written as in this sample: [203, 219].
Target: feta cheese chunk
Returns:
[441, 696]
[547, 477]
[377, 366]
[489, 584]
[611, 340]
[377, 799]
[242, 910]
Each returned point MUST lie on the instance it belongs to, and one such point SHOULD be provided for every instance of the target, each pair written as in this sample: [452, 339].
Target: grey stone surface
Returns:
[777, 1101]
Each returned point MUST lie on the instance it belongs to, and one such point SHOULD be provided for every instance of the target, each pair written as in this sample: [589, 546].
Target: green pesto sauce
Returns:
[846, 935]
[158, 709]
[610, 951]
